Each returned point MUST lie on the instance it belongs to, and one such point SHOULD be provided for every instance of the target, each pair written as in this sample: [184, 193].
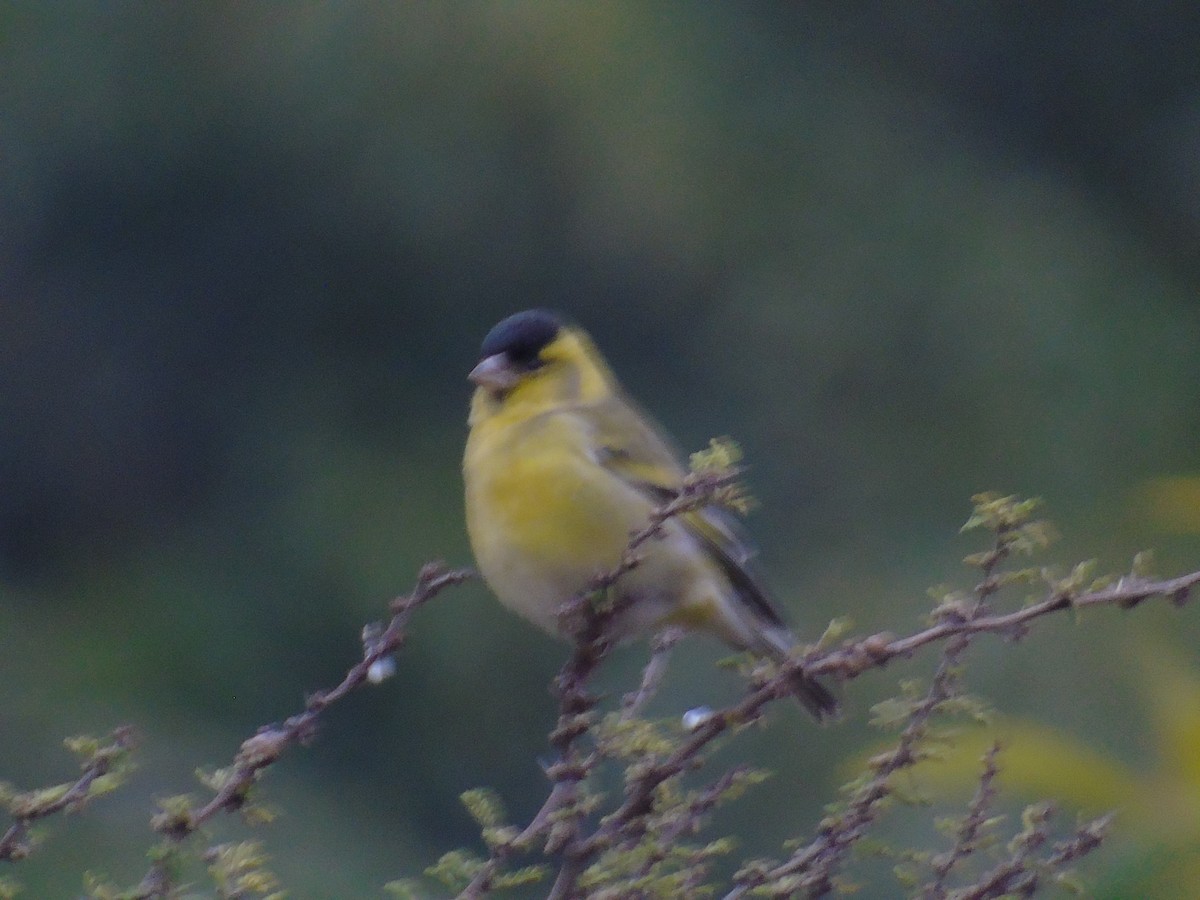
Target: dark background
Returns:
[901, 252]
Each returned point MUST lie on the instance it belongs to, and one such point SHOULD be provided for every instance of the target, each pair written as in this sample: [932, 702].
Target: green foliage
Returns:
[404, 889]
[654, 869]
[631, 799]
[174, 815]
[455, 869]
[484, 806]
[836, 629]
[721, 463]
[240, 871]
[218, 780]
[633, 739]
[722, 456]
[928, 720]
[520, 877]
[1011, 522]
[97, 887]
[105, 764]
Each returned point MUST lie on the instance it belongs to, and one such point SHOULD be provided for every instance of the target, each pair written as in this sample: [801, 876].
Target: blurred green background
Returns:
[901, 252]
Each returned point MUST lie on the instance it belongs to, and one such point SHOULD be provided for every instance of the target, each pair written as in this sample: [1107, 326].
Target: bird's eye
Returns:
[527, 359]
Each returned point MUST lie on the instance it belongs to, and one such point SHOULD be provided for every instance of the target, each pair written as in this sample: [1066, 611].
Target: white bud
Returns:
[381, 670]
[696, 718]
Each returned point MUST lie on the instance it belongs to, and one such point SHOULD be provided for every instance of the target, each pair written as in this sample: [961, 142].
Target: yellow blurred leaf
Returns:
[1172, 690]
[1035, 762]
[1171, 503]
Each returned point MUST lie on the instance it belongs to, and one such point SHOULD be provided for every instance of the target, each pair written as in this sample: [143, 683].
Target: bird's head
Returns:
[533, 359]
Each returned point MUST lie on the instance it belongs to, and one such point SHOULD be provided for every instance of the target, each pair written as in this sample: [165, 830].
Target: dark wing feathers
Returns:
[631, 449]
[628, 446]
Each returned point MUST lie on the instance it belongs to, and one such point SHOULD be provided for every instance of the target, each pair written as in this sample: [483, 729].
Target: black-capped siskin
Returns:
[561, 468]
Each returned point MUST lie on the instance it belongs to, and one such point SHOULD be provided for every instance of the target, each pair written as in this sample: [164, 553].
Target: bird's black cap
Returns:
[522, 335]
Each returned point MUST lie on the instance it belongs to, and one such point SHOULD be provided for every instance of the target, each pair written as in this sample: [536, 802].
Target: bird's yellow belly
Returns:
[541, 529]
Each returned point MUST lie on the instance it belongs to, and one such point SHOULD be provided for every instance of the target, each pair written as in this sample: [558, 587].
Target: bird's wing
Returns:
[627, 445]
[624, 441]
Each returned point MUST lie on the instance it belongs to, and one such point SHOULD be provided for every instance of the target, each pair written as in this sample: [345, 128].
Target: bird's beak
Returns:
[494, 373]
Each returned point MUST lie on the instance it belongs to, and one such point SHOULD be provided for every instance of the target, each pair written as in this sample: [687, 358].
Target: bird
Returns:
[561, 467]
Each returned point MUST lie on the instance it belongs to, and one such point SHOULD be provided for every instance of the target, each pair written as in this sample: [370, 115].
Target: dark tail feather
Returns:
[777, 643]
[815, 697]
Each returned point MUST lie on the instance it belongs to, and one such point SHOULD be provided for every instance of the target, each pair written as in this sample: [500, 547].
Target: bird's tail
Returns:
[753, 625]
[815, 697]
[777, 644]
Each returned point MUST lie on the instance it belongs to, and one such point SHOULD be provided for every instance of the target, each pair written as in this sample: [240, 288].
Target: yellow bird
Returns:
[561, 468]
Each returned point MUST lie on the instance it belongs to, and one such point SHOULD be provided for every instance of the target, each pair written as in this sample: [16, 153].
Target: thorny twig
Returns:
[812, 866]
[29, 807]
[270, 742]
[653, 673]
[1022, 873]
[875, 651]
[967, 833]
[564, 824]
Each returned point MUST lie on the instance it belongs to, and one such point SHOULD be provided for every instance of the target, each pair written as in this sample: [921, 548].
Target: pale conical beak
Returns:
[494, 373]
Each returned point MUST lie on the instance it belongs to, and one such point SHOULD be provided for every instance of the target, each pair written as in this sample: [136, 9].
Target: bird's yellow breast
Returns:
[543, 516]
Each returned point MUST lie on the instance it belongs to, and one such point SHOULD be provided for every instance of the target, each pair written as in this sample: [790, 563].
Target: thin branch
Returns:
[269, 743]
[704, 803]
[29, 807]
[1012, 877]
[561, 821]
[652, 675]
[965, 840]
[877, 650]
[851, 660]
[1022, 873]
[812, 867]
